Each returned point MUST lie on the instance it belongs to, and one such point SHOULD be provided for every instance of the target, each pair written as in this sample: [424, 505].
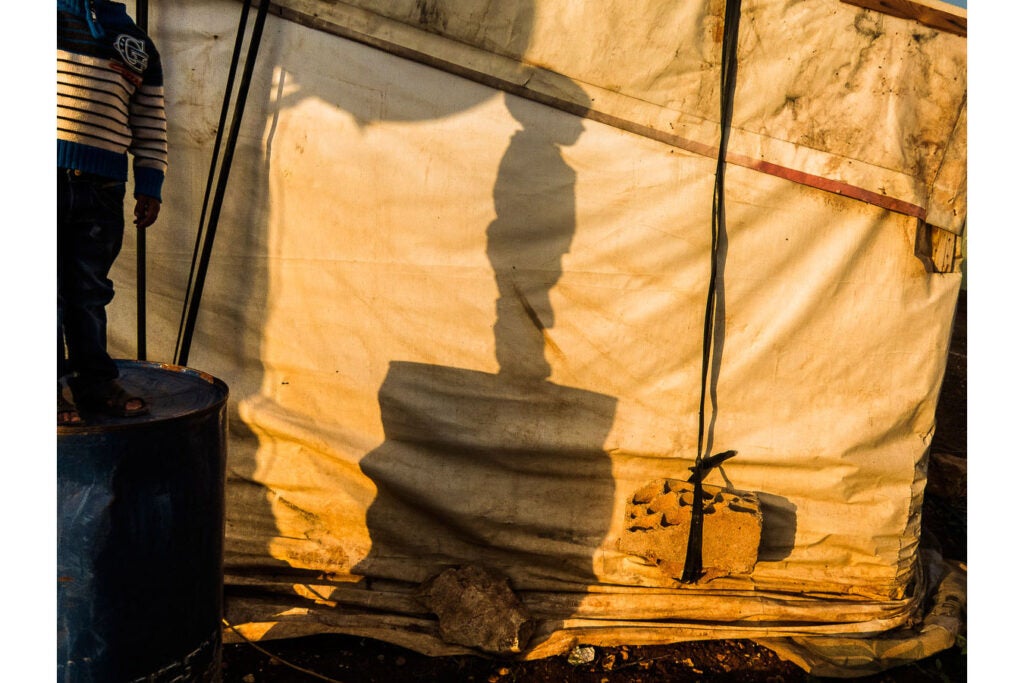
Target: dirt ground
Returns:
[362, 660]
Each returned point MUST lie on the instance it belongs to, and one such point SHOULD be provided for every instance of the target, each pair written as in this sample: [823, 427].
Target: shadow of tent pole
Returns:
[201, 256]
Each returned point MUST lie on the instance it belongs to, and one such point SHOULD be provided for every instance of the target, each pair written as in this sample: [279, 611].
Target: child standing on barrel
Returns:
[110, 102]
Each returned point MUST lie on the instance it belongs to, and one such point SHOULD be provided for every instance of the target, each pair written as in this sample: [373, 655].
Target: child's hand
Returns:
[146, 210]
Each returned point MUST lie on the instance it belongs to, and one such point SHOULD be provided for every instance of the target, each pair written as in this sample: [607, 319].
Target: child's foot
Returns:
[67, 414]
[110, 398]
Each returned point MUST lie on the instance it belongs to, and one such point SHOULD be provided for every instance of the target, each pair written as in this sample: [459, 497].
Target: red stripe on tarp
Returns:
[760, 165]
[829, 185]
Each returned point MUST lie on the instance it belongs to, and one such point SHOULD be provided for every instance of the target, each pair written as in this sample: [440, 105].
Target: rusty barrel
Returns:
[140, 533]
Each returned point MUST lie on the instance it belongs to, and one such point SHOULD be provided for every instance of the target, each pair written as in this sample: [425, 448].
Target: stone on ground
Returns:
[477, 608]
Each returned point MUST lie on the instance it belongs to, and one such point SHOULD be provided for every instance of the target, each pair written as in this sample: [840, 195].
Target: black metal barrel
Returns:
[140, 528]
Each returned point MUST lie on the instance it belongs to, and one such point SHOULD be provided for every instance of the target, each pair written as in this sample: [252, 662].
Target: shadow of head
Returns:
[560, 129]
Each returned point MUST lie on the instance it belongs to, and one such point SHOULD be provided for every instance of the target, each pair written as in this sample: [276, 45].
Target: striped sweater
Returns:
[110, 97]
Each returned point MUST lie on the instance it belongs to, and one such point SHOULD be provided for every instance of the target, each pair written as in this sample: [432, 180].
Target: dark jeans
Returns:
[90, 228]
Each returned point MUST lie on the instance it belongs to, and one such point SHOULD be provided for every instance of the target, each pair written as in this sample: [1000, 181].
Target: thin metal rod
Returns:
[140, 296]
[142, 14]
[142, 19]
[225, 107]
[225, 170]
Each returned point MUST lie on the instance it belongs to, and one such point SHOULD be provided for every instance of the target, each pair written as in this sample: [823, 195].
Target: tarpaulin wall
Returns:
[463, 326]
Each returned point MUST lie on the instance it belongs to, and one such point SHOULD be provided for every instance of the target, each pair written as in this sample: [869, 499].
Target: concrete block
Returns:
[658, 527]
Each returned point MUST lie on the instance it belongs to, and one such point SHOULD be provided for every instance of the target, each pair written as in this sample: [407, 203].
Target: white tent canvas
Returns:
[458, 294]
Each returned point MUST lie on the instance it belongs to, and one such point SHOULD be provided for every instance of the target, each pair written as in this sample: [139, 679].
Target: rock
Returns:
[477, 608]
[581, 654]
[658, 527]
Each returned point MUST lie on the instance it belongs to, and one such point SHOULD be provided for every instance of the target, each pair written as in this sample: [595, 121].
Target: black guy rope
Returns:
[693, 567]
[205, 238]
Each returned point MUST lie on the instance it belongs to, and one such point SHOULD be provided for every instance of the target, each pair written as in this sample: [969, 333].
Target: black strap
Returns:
[693, 567]
[201, 258]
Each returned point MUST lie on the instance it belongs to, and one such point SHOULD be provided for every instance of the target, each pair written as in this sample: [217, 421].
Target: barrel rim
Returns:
[216, 406]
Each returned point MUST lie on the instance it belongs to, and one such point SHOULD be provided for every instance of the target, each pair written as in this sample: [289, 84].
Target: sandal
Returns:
[67, 414]
[111, 399]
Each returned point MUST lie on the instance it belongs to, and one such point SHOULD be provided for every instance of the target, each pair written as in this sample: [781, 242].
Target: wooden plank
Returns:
[932, 13]
[939, 250]
[945, 246]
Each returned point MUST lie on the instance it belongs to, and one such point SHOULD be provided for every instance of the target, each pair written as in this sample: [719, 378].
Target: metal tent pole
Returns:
[142, 19]
[191, 309]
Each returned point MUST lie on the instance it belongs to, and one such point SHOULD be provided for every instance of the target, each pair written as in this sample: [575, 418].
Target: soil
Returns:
[362, 660]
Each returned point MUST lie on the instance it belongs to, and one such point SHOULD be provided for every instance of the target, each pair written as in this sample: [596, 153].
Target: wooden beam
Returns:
[932, 13]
